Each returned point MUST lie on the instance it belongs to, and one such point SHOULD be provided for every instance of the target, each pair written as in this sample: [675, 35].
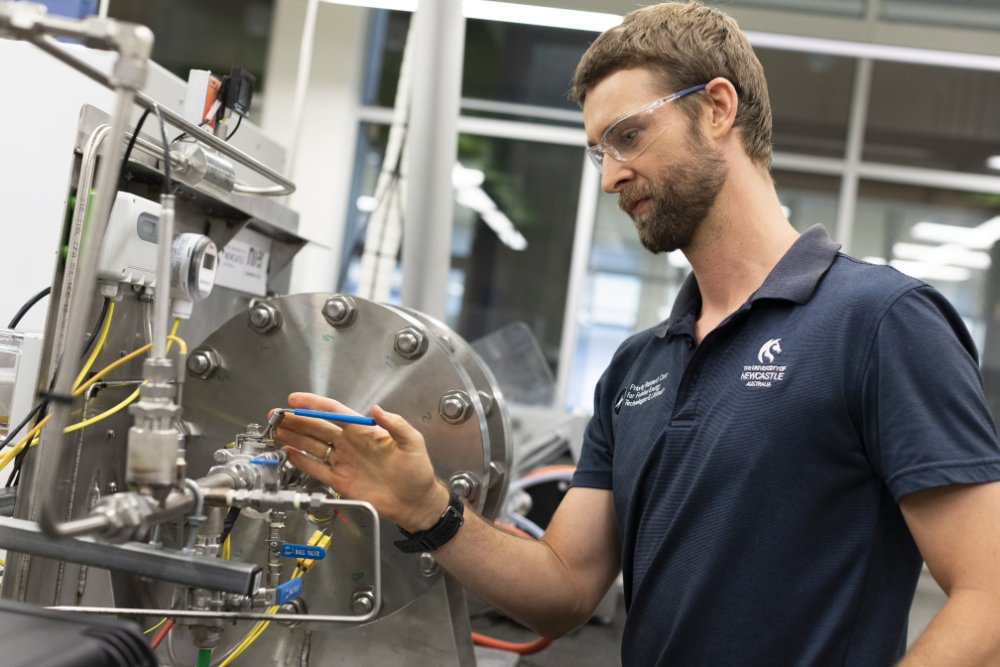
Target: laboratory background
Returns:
[388, 203]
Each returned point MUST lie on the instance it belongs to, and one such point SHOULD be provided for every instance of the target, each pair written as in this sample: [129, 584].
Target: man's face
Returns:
[670, 188]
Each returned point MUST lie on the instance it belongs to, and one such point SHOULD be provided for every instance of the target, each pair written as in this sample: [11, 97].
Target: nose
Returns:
[615, 175]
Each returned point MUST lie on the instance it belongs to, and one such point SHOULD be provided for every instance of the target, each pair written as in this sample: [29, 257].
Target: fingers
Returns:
[316, 428]
[398, 428]
[316, 402]
[306, 443]
[310, 466]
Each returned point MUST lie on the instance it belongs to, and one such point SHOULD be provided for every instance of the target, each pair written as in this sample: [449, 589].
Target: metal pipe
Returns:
[284, 186]
[51, 452]
[141, 559]
[161, 297]
[225, 615]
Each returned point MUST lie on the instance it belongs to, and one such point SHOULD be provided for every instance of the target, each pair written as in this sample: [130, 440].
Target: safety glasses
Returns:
[626, 138]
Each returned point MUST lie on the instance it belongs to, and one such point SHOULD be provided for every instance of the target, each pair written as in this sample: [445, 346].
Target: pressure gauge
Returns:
[193, 265]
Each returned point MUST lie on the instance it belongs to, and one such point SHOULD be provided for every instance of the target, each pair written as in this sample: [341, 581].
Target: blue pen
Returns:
[334, 417]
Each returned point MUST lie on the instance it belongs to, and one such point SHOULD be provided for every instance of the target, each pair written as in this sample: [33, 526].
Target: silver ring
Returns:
[326, 454]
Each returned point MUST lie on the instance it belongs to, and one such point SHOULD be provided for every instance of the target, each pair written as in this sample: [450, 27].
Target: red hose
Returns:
[523, 649]
[162, 633]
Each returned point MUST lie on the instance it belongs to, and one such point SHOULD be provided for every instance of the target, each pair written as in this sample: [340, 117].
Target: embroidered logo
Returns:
[768, 350]
[637, 394]
[765, 373]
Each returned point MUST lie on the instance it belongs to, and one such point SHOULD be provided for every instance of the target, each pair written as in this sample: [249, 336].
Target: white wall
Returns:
[324, 157]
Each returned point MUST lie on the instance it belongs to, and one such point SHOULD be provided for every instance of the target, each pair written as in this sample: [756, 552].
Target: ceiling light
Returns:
[949, 254]
[981, 237]
[993, 162]
[932, 272]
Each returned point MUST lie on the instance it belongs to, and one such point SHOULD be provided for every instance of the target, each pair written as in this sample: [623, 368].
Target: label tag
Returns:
[289, 590]
[243, 263]
[302, 551]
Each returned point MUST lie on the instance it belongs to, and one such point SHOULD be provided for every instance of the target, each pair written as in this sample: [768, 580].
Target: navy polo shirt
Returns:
[756, 475]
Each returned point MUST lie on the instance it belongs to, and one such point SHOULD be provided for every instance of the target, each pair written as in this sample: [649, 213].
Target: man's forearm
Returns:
[965, 632]
[521, 577]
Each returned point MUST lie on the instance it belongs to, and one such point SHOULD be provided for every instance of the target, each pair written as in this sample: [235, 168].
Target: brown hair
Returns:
[687, 44]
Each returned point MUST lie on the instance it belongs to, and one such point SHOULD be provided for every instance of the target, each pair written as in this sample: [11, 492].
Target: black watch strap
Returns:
[437, 535]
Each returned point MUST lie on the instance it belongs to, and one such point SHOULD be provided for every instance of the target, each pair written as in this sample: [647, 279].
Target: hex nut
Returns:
[455, 407]
[362, 603]
[264, 318]
[410, 343]
[203, 363]
[464, 484]
[340, 310]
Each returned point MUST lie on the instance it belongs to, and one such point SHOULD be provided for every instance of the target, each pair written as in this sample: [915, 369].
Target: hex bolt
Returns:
[486, 398]
[362, 603]
[463, 484]
[427, 565]
[340, 310]
[264, 318]
[203, 363]
[410, 343]
[455, 407]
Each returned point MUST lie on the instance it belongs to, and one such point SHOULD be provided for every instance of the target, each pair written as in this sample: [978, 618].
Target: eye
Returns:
[626, 137]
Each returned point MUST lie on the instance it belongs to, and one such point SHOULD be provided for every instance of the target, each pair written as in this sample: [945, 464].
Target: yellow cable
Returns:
[259, 627]
[225, 548]
[104, 415]
[7, 456]
[153, 629]
[101, 337]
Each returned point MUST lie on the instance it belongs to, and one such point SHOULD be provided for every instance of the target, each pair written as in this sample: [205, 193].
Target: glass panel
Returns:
[513, 233]
[628, 289]
[838, 7]
[942, 237]
[936, 117]
[810, 100]
[504, 62]
[217, 35]
[984, 14]
[516, 266]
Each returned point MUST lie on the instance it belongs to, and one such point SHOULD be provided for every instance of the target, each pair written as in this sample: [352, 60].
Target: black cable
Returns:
[238, 121]
[167, 185]
[131, 145]
[92, 338]
[27, 306]
[42, 406]
[12, 433]
[227, 525]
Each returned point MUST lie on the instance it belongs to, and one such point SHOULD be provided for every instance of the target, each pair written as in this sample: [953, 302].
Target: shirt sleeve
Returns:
[594, 468]
[925, 419]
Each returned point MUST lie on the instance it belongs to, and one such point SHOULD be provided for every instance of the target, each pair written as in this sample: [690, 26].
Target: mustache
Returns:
[632, 195]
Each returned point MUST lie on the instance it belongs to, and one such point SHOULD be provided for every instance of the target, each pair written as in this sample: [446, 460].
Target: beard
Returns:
[679, 203]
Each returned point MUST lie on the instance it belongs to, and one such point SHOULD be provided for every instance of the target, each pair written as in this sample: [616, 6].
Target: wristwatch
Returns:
[437, 535]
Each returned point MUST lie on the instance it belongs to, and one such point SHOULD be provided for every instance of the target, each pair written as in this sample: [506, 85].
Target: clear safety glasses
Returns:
[627, 137]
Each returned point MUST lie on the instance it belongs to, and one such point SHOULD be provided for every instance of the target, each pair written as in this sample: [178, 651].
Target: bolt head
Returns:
[362, 603]
[427, 565]
[264, 318]
[410, 343]
[455, 407]
[203, 363]
[340, 310]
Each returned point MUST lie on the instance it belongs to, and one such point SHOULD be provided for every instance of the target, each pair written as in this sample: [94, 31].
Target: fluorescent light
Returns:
[507, 12]
[948, 254]
[993, 162]
[981, 237]
[463, 177]
[515, 12]
[928, 271]
[366, 203]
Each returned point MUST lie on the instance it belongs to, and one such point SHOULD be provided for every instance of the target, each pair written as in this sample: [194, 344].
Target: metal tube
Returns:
[225, 615]
[141, 559]
[51, 452]
[284, 186]
[161, 298]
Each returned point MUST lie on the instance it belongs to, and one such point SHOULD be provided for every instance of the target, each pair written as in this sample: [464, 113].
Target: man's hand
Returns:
[386, 465]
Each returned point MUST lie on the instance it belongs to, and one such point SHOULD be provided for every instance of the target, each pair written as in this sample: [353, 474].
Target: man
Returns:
[769, 465]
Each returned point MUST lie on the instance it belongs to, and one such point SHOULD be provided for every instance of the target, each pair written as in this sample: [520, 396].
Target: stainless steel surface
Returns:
[141, 559]
[225, 212]
[492, 404]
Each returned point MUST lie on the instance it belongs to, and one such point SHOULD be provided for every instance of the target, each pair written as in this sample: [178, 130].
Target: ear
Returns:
[723, 102]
